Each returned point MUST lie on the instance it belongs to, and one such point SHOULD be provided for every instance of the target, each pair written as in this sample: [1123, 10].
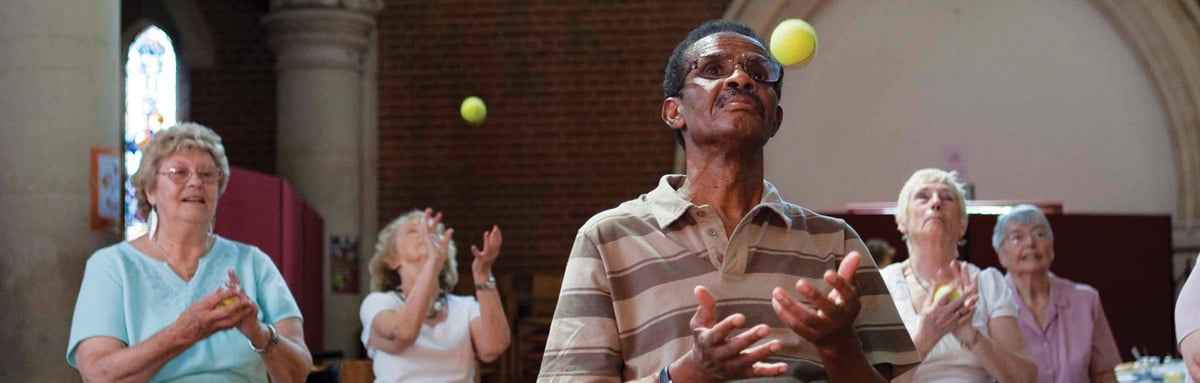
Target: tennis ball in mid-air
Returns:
[473, 110]
[793, 42]
[943, 290]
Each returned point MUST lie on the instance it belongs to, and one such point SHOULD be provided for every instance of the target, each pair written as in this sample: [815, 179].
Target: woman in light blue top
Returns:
[180, 303]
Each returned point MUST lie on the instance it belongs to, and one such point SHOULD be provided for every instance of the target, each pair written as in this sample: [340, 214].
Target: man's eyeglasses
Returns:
[718, 67]
[182, 175]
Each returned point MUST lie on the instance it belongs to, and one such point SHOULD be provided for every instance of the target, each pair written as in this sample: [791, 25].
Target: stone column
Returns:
[320, 45]
[59, 96]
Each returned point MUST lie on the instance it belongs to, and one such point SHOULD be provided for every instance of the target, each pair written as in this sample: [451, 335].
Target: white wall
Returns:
[1043, 100]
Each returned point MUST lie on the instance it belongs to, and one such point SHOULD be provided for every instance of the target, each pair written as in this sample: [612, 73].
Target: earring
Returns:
[152, 221]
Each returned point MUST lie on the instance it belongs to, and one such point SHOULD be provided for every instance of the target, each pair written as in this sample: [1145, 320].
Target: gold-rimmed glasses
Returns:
[182, 175]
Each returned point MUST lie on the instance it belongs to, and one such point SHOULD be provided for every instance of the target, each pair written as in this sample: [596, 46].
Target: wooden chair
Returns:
[534, 329]
[356, 371]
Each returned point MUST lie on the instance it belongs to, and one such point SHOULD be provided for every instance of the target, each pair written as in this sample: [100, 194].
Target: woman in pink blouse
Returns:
[1063, 324]
[1187, 323]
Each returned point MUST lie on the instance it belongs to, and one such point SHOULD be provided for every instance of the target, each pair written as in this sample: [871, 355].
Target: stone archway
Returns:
[1163, 35]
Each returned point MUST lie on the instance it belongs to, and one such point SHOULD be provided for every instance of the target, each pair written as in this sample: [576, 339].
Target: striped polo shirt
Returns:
[626, 302]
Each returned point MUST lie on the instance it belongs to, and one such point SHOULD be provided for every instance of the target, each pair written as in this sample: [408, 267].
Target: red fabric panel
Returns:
[265, 211]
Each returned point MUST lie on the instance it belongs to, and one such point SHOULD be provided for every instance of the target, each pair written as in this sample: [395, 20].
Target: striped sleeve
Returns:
[583, 345]
[884, 338]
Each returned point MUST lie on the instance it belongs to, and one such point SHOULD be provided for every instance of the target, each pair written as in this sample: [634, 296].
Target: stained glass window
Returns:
[149, 107]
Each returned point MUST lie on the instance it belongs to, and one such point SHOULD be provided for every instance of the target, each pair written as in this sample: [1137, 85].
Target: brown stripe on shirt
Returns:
[677, 324]
[579, 304]
[654, 274]
[763, 260]
[618, 226]
[883, 338]
[580, 364]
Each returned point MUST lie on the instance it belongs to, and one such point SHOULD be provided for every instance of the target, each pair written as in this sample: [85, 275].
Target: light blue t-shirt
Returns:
[130, 296]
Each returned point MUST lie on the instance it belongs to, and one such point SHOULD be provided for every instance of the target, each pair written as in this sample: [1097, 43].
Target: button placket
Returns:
[711, 237]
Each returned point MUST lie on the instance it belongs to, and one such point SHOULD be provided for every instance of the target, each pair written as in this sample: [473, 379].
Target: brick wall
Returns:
[574, 95]
[236, 97]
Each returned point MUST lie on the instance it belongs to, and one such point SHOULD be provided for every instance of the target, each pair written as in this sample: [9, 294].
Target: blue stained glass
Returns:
[150, 102]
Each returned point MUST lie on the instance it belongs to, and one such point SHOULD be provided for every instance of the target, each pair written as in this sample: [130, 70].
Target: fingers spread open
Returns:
[736, 344]
[750, 356]
[718, 333]
[769, 369]
[791, 313]
[706, 314]
[849, 266]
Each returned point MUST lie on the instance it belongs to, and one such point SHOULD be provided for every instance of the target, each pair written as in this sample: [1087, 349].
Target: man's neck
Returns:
[730, 185]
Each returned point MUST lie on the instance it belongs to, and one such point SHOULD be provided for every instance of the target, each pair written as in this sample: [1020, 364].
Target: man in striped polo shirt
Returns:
[712, 276]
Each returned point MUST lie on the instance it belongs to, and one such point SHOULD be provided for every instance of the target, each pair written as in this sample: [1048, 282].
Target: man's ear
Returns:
[671, 114]
[778, 121]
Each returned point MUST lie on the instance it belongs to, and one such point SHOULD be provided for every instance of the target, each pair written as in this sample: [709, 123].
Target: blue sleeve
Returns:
[274, 299]
[100, 308]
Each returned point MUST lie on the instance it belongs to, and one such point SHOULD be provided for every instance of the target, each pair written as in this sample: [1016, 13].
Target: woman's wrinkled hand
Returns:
[437, 249]
[945, 315]
[248, 325]
[491, 250]
[208, 315]
[969, 286]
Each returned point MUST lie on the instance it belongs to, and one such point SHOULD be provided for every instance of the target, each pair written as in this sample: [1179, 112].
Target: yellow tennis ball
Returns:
[794, 42]
[227, 301]
[946, 289]
[473, 110]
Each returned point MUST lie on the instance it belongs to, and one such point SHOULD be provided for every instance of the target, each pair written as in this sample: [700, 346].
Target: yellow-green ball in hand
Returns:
[227, 301]
[473, 110]
[794, 42]
[944, 290]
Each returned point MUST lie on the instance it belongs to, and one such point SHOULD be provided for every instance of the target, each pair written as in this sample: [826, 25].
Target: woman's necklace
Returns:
[437, 306]
[909, 273]
[183, 270]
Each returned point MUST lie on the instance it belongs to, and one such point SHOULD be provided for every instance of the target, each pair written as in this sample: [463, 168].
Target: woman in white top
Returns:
[412, 327]
[969, 338]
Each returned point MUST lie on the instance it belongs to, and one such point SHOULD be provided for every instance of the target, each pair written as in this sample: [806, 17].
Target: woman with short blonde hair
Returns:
[413, 328]
[156, 308]
[961, 318]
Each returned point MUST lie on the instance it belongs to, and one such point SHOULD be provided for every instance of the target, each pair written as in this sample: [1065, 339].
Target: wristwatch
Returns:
[270, 343]
[489, 285]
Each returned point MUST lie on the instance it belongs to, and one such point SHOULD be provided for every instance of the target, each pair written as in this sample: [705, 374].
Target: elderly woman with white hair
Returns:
[961, 318]
[1062, 322]
[413, 328]
[157, 308]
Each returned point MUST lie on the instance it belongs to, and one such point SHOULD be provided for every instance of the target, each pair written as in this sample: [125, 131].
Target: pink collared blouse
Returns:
[1074, 341]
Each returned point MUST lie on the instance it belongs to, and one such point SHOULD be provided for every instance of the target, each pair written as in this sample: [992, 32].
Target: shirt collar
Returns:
[669, 201]
[1056, 290]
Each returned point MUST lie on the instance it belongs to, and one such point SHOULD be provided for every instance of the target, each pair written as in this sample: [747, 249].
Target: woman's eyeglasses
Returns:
[182, 175]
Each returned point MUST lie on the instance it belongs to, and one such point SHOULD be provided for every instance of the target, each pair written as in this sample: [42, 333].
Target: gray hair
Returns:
[184, 136]
[1020, 215]
[930, 175]
[384, 278]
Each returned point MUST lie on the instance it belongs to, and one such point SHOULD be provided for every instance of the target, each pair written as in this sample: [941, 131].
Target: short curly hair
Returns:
[183, 137]
[677, 68]
[384, 278]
